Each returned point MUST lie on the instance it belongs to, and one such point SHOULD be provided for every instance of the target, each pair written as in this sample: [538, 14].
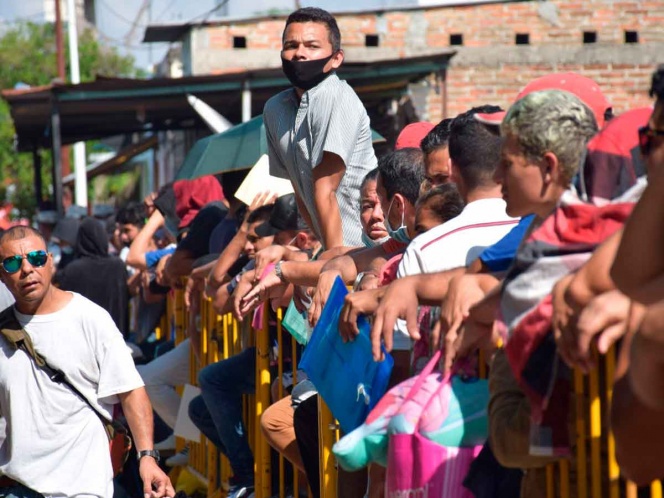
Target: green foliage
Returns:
[27, 56]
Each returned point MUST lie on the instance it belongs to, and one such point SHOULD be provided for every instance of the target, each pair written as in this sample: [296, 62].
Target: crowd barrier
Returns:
[597, 474]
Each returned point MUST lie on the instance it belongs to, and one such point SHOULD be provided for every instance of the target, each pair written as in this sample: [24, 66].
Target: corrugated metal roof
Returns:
[113, 106]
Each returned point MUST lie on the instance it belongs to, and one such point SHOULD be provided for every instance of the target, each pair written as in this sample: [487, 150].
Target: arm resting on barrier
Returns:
[638, 429]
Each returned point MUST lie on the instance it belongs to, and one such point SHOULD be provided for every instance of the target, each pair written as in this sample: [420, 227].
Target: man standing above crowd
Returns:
[56, 445]
[318, 132]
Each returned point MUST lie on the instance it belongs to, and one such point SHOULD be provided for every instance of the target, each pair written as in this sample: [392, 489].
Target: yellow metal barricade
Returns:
[597, 471]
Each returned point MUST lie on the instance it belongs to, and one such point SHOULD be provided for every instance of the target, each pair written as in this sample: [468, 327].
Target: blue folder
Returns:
[345, 374]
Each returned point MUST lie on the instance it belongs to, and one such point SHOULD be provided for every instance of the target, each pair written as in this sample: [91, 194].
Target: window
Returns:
[522, 39]
[371, 40]
[239, 42]
[631, 37]
[589, 37]
[456, 39]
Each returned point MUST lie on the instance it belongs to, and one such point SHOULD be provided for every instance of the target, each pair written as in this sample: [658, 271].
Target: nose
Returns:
[248, 248]
[26, 267]
[377, 212]
[300, 53]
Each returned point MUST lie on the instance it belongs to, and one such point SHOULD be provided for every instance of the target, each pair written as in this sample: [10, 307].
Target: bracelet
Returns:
[278, 272]
[358, 279]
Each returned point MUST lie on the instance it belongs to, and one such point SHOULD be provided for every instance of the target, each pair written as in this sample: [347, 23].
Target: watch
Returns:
[151, 453]
[278, 272]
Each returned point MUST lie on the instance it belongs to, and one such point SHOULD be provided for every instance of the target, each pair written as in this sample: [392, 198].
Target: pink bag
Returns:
[419, 467]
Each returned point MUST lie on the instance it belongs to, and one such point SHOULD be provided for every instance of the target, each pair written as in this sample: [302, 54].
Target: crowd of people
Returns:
[507, 232]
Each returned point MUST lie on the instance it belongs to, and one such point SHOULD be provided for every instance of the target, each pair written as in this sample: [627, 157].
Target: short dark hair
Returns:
[371, 175]
[261, 214]
[20, 232]
[402, 172]
[438, 137]
[474, 147]
[133, 213]
[314, 14]
[444, 201]
[657, 84]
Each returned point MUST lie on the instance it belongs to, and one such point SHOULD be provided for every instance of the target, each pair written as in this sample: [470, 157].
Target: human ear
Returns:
[337, 58]
[550, 168]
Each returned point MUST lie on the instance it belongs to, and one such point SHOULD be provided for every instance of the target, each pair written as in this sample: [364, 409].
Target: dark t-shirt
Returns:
[197, 241]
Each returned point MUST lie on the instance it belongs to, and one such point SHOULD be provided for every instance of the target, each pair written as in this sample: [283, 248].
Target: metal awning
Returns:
[114, 106]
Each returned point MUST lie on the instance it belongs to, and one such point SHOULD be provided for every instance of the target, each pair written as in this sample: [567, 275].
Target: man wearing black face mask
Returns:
[318, 132]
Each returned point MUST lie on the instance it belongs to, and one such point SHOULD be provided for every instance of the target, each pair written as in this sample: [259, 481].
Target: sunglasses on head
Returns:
[646, 134]
[13, 264]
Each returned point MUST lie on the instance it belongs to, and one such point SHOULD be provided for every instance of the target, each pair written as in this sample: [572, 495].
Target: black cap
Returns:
[284, 217]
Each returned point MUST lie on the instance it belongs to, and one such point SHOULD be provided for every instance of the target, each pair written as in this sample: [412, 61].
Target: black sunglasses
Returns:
[13, 264]
[646, 134]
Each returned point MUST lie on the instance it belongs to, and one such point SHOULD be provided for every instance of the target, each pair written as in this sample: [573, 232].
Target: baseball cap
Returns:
[587, 90]
[412, 135]
[284, 217]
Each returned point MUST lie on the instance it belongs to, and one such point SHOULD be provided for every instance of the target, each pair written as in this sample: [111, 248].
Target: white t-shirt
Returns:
[453, 244]
[459, 241]
[55, 443]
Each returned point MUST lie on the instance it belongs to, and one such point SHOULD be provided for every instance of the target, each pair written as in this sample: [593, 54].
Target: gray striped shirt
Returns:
[329, 118]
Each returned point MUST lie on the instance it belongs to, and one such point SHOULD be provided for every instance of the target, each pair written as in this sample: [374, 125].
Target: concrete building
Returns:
[500, 46]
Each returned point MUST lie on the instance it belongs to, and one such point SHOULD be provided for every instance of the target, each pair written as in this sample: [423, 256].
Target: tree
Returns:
[27, 56]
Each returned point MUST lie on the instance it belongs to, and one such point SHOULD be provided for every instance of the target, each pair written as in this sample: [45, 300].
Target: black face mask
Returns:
[305, 74]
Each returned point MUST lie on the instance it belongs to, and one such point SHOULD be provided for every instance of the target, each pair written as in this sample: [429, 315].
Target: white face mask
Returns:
[401, 233]
[369, 242]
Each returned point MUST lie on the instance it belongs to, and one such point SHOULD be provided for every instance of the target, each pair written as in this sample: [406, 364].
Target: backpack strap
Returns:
[16, 335]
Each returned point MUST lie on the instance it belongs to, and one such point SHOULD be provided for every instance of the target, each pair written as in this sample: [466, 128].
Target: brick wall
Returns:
[626, 86]
[490, 67]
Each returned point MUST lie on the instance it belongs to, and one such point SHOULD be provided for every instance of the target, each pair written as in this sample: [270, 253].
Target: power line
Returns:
[121, 17]
[165, 10]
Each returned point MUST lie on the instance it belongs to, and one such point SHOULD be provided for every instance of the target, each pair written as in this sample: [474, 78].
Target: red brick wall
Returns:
[490, 26]
[626, 87]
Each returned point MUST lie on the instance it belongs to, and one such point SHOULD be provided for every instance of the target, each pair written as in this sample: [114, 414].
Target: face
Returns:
[309, 41]
[524, 184]
[128, 232]
[371, 214]
[437, 167]
[425, 220]
[30, 283]
[254, 242]
[390, 207]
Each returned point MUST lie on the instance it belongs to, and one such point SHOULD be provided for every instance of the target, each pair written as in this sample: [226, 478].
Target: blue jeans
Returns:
[19, 491]
[217, 412]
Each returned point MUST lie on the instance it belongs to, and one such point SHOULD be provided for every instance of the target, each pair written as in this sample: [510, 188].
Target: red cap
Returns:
[584, 88]
[412, 135]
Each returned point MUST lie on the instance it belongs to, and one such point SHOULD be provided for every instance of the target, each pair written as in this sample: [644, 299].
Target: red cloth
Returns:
[192, 195]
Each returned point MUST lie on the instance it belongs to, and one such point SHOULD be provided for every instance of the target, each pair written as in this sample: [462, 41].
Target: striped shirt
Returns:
[328, 118]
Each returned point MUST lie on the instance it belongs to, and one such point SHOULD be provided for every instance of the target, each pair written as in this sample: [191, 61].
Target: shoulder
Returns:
[276, 104]
[87, 310]
[338, 95]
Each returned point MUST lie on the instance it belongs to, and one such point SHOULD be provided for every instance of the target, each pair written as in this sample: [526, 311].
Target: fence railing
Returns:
[592, 473]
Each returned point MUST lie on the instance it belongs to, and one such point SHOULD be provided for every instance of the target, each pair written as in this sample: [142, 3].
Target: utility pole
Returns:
[60, 54]
[59, 47]
[80, 173]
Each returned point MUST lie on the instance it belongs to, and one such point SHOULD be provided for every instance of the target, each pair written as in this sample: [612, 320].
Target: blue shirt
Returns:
[153, 257]
[499, 256]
